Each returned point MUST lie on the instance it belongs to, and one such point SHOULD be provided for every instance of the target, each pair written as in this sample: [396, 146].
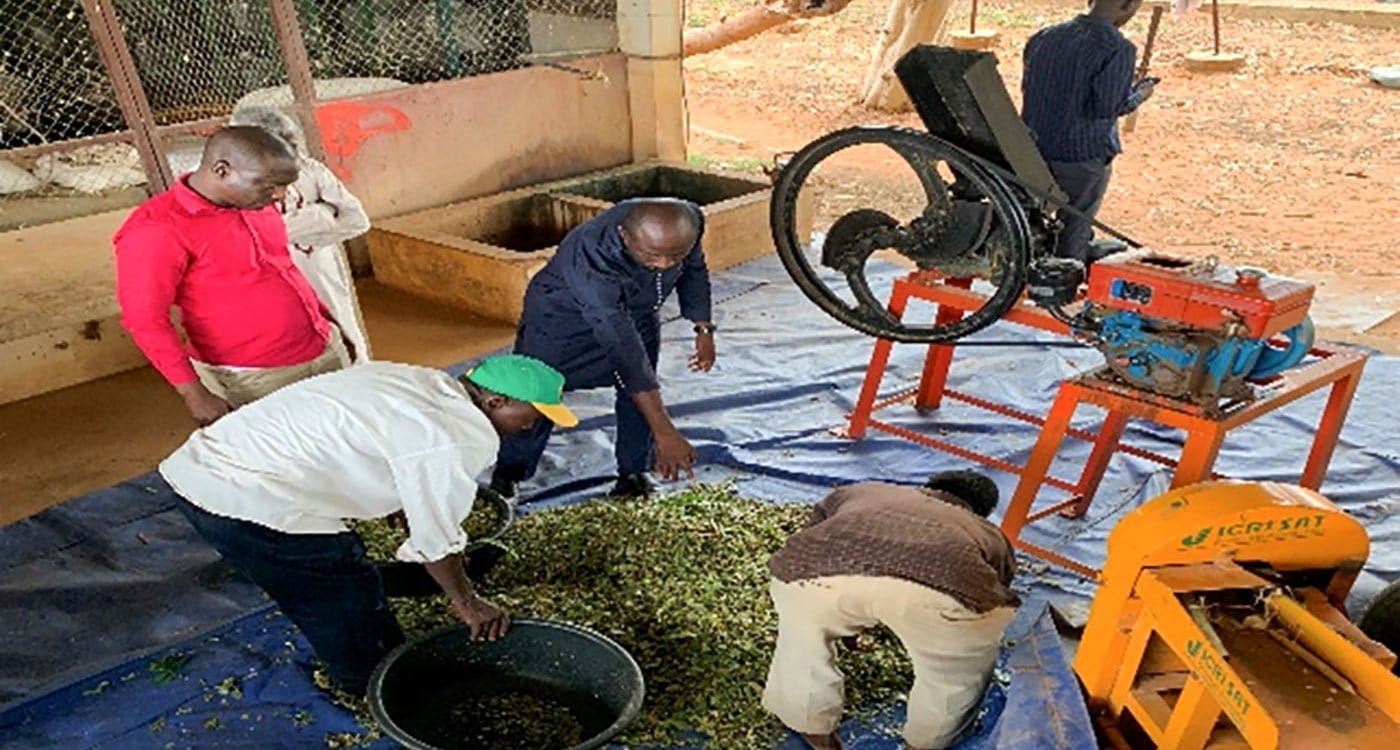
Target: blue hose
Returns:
[1274, 361]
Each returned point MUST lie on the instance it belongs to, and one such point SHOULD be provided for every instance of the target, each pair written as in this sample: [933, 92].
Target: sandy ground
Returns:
[132, 420]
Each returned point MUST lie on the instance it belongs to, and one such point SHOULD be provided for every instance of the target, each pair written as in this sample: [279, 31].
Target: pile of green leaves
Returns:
[488, 517]
[505, 721]
[681, 582]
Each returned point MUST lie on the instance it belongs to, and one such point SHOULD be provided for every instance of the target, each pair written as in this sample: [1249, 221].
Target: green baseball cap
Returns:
[525, 379]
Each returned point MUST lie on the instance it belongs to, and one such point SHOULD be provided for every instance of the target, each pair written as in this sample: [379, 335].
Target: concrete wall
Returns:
[400, 151]
[422, 146]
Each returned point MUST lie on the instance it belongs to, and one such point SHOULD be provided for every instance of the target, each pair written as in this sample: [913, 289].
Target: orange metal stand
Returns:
[1339, 367]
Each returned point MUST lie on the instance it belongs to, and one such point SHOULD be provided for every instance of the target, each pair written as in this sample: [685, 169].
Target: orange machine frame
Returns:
[1335, 366]
[1149, 656]
[1208, 297]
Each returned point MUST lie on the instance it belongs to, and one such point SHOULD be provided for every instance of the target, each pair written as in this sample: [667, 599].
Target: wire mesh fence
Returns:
[417, 41]
[198, 60]
[54, 88]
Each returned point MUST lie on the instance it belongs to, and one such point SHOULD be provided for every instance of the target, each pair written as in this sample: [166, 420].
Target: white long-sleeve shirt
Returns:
[363, 442]
[319, 211]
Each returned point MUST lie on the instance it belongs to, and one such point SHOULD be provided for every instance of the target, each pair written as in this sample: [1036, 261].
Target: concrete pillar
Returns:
[649, 34]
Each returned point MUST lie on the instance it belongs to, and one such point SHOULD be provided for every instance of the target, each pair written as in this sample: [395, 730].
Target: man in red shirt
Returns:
[215, 247]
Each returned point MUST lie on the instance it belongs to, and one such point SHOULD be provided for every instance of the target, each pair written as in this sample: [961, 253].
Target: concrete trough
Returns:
[480, 255]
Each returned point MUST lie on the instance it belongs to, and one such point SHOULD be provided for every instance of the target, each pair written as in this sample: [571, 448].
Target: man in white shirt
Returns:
[269, 485]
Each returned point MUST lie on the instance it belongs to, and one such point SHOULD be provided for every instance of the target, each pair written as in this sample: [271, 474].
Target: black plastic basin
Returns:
[596, 679]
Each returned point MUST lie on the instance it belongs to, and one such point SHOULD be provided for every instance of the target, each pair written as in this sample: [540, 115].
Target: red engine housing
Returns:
[1199, 294]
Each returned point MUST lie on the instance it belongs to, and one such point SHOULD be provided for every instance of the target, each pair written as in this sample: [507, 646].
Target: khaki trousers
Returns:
[951, 647]
[244, 385]
[328, 271]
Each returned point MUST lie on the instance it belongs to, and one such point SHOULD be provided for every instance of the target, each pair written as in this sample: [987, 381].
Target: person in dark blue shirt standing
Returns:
[1077, 82]
[593, 314]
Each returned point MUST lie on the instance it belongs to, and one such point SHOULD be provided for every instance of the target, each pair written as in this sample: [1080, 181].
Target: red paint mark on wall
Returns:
[345, 126]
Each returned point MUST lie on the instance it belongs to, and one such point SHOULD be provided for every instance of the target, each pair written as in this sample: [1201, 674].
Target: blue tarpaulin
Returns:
[247, 685]
[102, 587]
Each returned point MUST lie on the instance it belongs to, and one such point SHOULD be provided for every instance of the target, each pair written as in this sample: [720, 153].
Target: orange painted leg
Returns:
[1042, 456]
[1105, 444]
[1193, 718]
[879, 360]
[1197, 463]
[940, 356]
[1325, 441]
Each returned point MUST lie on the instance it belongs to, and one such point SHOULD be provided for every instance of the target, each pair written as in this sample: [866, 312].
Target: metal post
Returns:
[452, 52]
[131, 96]
[1330, 428]
[973, 29]
[939, 359]
[298, 64]
[1215, 23]
[879, 360]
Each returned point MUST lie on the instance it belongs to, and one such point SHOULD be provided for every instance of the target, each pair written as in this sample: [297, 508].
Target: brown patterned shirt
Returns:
[899, 531]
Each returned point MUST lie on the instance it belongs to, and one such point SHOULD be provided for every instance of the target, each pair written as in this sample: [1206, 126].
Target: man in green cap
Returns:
[269, 487]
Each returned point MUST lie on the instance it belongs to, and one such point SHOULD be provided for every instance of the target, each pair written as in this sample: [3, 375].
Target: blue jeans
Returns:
[322, 582]
[1084, 183]
[584, 365]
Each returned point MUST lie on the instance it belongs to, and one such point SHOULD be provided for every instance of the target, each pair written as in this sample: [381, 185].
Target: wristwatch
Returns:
[704, 327]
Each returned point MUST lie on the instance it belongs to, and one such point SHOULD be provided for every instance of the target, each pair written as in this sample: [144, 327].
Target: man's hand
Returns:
[856, 643]
[704, 357]
[1145, 88]
[674, 455]
[485, 620]
[205, 407]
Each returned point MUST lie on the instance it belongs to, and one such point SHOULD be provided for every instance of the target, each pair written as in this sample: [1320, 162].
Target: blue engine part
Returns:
[1200, 366]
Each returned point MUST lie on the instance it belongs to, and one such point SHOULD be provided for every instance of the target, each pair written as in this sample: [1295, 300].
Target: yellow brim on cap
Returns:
[558, 414]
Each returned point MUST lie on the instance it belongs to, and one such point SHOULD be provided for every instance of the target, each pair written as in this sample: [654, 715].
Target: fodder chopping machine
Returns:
[1190, 344]
[1220, 625]
[1166, 325]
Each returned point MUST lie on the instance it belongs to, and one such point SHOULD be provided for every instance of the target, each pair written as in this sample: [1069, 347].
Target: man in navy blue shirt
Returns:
[1077, 82]
[592, 313]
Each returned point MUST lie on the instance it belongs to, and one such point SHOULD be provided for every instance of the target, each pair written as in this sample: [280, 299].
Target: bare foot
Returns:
[823, 741]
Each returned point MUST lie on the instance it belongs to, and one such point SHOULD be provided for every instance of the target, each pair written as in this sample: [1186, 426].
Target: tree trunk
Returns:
[731, 29]
[755, 21]
[910, 22]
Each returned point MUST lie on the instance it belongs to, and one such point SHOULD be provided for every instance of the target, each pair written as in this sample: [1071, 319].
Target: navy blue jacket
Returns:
[593, 288]
[1077, 82]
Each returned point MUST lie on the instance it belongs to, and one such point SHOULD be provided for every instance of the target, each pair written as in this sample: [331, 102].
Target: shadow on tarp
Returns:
[108, 578]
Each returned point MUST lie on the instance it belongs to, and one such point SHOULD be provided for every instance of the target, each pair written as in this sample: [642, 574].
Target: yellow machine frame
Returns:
[1149, 652]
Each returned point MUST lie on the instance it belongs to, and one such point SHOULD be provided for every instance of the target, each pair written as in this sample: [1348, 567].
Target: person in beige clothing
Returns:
[922, 561]
[320, 214]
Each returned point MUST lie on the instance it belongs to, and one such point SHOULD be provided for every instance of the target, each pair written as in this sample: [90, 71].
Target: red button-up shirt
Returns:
[242, 302]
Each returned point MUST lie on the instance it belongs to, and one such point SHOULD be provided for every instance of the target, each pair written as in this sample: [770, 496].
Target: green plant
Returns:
[680, 582]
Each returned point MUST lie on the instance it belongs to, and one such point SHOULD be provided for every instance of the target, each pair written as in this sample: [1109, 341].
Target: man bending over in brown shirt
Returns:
[924, 562]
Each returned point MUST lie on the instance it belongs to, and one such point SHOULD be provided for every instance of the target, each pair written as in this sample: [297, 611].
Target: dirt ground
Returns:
[133, 420]
[1291, 164]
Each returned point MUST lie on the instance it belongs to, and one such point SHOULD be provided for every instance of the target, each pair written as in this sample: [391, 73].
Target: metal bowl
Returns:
[505, 510]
